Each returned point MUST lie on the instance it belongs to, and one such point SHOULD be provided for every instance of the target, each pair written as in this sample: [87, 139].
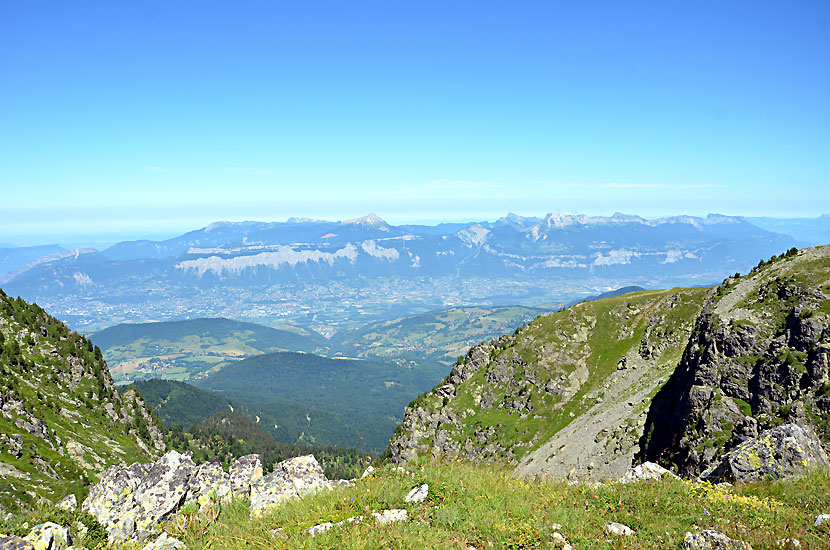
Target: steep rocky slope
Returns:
[566, 394]
[63, 421]
[758, 357]
[576, 393]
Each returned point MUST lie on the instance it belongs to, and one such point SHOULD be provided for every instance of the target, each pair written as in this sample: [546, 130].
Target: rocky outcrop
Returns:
[786, 450]
[290, 479]
[46, 536]
[245, 471]
[131, 501]
[759, 356]
[15, 543]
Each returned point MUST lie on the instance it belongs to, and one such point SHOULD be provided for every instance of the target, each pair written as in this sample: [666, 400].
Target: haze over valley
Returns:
[332, 276]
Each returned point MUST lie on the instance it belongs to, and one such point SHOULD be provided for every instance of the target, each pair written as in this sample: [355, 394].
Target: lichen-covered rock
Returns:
[291, 478]
[130, 501]
[712, 540]
[48, 536]
[15, 543]
[69, 502]
[243, 472]
[209, 483]
[786, 450]
[647, 471]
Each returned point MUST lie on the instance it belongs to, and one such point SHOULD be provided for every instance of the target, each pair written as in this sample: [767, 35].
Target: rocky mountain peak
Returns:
[369, 220]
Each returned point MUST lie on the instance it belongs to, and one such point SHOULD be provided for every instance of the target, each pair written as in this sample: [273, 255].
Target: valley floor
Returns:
[485, 507]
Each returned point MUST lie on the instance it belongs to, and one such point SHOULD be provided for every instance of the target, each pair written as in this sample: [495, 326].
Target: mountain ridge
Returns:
[371, 270]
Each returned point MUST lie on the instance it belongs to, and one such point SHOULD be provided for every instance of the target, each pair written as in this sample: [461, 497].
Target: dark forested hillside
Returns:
[367, 397]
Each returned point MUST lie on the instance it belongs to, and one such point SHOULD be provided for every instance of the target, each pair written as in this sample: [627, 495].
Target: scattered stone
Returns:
[779, 452]
[821, 518]
[69, 502]
[15, 543]
[322, 528]
[647, 471]
[417, 494]
[291, 478]
[391, 516]
[789, 543]
[277, 533]
[341, 483]
[619, 529]
[368, 471]
[165, 542]
[712, 540]
[558, 538]
[49, 536]
[7, 470]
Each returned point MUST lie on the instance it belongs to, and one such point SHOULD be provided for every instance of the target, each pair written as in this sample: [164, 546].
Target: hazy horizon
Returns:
[103, 239]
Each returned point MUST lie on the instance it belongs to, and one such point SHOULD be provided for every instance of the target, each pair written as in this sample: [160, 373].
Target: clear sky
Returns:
[140, 118]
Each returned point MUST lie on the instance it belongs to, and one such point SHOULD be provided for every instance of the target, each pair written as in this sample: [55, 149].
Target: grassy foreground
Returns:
[485, 507]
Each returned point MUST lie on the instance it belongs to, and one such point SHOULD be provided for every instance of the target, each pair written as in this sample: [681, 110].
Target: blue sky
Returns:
[139, 118]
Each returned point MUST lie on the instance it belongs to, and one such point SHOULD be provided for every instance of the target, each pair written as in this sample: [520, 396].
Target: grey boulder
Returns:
[778, 452]
[712, 540]
[291, 478]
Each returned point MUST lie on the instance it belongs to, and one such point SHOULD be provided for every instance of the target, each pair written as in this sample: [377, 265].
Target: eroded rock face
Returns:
[786, 450]
[758, 357]
[291, 478]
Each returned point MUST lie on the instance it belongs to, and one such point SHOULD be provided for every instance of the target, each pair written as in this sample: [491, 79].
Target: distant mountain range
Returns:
[335, 275]
[813, 231]
[13, 258]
